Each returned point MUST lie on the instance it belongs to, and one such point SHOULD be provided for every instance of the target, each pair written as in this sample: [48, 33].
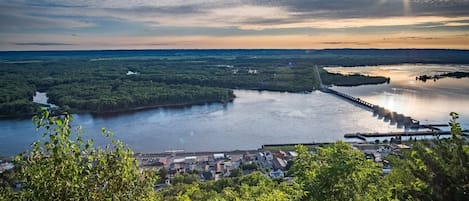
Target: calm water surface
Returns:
[428, 102]
[256, 118]
[253, 119]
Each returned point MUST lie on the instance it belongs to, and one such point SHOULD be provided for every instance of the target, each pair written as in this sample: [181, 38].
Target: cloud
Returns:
[43, 44]
[160, 44]
[343, 43]
[374, 8]
[44, 20]
[358, 22]
[17, 17]
[8, 21]
[295, 9]
[417, 38]
[244, 14]
[457, 23]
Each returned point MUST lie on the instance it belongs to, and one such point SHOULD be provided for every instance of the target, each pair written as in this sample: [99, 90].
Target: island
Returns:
[456, 74]
[113, 81]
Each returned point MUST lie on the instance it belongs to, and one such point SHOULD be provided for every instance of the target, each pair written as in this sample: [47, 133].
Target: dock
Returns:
[364, 136]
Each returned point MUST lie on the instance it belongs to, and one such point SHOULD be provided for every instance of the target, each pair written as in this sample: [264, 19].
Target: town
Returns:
[272, 160]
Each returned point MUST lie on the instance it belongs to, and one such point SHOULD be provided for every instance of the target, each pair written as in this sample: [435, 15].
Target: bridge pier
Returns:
[392, 116]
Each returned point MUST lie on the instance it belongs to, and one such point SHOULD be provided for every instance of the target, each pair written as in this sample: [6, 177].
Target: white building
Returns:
[219, 156]
[268, 156]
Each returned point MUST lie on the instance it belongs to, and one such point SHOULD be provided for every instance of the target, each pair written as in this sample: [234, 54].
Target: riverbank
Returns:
[105, 85]
[74, 111]
[176, 105]
[116, 96]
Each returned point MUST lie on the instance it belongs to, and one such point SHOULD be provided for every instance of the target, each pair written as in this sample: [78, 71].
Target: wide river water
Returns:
[255, 118]
[429, 102]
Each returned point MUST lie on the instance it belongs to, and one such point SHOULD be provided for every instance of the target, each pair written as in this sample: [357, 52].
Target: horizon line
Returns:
[203, 49]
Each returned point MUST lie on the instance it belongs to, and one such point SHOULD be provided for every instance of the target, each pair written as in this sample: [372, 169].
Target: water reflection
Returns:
[429, 102]
[256, 118]
[253, 119]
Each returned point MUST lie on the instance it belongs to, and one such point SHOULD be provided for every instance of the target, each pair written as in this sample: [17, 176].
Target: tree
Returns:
[434, 169]
[5, 193]
[162, 174]
[185, 178]
[236, 172]
[337, 172]
[249, 166]
[62, 166]
[255, 186]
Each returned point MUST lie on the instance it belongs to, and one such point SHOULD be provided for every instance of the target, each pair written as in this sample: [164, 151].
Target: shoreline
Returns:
[177, 105]
[264, 147]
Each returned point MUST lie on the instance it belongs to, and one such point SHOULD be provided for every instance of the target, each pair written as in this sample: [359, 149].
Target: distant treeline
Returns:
[342, 57]
[351, 80]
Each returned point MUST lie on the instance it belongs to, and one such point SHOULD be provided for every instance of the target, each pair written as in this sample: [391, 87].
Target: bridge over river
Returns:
[393, 117]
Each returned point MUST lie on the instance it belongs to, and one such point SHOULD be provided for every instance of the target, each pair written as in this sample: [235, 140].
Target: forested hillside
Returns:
[115, 84]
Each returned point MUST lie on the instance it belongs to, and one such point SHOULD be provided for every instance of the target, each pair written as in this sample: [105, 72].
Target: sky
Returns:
[232, 24]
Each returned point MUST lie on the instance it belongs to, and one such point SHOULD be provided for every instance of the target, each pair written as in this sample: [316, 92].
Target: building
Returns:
[268, 156]
[276, 174]
[260, 156]
[6, 166]
[279, 164]
[219, 156]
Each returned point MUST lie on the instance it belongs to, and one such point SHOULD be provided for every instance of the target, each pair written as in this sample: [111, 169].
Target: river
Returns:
[429, 102]
[255, 118]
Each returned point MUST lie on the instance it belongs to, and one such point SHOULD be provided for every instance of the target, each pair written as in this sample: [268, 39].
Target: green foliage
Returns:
[185, 179]
[61, 166]
[162, 174]
[255, 186]
[434, 169]
[350, 80]
[103, 86]
[102, 96]
[7, 178]
[337, 172]
[16, 96]
[249, 166]
[21, 107]
[5, 193]
[236, 172]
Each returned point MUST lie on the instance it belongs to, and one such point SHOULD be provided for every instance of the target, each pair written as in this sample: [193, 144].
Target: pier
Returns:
[364, 136]
[381, 112]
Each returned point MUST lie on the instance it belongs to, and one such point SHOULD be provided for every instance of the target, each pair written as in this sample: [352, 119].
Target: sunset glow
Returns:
[145, 24]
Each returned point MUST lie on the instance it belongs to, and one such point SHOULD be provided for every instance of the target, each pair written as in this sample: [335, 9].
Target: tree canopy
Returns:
[104, 85]
[433, 169]
[337, 172]
[61, 166]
